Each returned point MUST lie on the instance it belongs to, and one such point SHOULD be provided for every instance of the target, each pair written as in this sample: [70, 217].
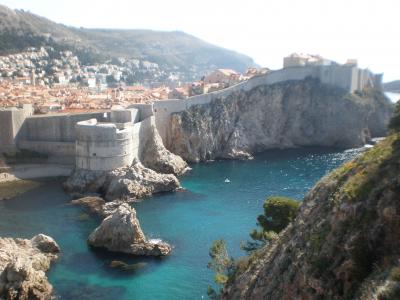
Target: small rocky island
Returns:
[23, 264]
[120, 232]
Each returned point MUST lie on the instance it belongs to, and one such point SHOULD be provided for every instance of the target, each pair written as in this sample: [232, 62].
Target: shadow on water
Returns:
[99, 261]
[33, 195]
[83, 290]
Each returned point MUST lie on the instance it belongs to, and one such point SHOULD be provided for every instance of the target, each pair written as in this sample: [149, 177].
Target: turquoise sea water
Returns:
[189, 220]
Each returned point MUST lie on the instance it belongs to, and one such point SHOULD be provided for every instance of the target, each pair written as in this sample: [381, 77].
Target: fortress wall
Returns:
[365, 77]
[162, 112]
[164, 108]
[11, 122]
[56, 128]
[145, 110]
[136, 139]
[59, 152]
[140, 136]
[103, 146]
[6, 129]
[124, 116]
[340, 76]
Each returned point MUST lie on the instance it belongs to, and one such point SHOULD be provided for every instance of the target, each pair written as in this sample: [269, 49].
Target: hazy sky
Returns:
[266, 30]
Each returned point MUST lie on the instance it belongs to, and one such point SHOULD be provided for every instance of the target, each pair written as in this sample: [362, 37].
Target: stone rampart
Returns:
[346, 77]
[111, 139]
[102, 146]
[11, 122]
[145, 110]
[57, 128]
[59, 152]
[124, 116]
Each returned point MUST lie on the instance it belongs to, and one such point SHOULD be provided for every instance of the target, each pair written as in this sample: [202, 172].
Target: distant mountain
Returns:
[20, 29]
[392, 86]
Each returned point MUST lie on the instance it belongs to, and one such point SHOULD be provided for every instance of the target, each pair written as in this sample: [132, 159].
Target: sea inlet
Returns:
[209, 208]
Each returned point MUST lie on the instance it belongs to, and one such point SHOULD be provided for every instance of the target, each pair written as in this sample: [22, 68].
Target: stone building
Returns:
[178, 93]
[301, 60]
[223, 76]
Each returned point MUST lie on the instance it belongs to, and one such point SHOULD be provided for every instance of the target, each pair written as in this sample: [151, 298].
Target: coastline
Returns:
[31, 171]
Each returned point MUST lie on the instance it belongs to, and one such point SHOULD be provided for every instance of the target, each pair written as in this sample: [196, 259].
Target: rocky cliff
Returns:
[282, 115]
[345, 242]
[158, 158]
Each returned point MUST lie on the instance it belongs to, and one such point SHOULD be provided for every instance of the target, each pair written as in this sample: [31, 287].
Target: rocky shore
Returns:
[23, 264]
[126, 183]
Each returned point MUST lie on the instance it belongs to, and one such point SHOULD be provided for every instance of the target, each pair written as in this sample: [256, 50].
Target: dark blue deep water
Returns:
[189, 220]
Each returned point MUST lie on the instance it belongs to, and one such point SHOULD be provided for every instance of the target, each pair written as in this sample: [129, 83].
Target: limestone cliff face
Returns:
[345, 242]
[283, 115]
[156, 157]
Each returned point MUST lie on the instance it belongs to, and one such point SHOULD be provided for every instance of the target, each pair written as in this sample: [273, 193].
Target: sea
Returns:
[221, 199]
[394, 97]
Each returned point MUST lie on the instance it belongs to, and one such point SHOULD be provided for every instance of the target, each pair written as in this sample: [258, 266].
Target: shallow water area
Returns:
[209, 208]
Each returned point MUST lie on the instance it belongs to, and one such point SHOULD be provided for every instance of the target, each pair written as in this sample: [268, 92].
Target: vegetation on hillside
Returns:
[344, 242]
[278, 213]
[20, 29]
[394, 124]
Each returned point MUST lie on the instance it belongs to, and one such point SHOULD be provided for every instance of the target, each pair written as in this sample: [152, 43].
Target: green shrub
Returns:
[395, 274]
[278, 213]
[395, 121]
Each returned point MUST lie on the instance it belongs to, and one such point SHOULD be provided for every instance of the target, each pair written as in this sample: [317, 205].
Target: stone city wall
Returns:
[56, 128]
[145, 110]
[11, 122]
[108, 146]
[124, 116]
[349, 78]
[58, 152]
[102, 146]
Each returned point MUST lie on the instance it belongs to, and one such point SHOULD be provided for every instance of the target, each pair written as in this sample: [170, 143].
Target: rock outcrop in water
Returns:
[345, 242]
[282, 115]
[125, 183]
[23, 264]
[93, 204]
[97, 206]
[121, 232]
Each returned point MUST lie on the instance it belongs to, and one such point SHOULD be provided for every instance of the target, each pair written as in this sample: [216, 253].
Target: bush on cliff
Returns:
[395, 121]
[343, 244]
[222, 264]
[278, 213]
